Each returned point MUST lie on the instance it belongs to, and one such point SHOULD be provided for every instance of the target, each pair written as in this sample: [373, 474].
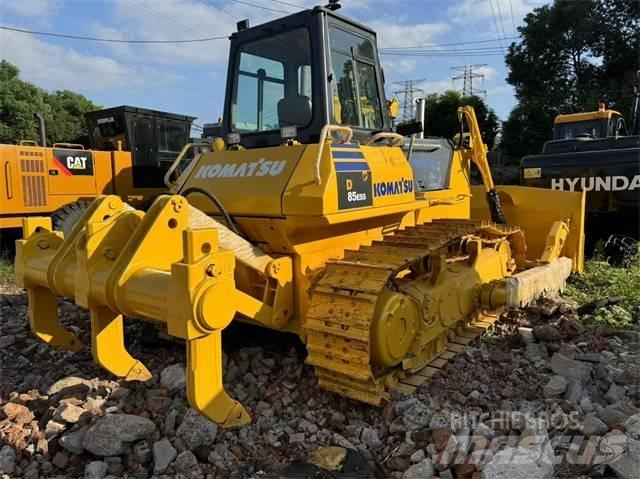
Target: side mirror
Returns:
[408, 129]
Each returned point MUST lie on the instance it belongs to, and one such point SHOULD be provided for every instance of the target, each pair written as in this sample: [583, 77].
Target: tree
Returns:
[63, 111]
[68, 109]
[441, 117]
[570, 56]
[18, 102]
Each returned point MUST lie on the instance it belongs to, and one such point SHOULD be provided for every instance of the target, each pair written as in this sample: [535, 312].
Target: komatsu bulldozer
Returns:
[307, 217]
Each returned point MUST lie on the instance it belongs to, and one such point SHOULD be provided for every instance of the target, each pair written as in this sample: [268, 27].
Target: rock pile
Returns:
[543, 396]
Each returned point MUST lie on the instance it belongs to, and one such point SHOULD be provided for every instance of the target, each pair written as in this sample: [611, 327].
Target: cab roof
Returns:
[586, 116]
[280, 23]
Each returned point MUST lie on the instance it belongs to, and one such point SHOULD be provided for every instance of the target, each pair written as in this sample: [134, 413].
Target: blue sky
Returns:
[190, 78]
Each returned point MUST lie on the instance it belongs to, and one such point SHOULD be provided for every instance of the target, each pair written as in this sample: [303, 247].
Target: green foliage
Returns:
[614, 316]
[570, 56]
[601, 280]
[441, 116]
[20, 100]
[6, 271]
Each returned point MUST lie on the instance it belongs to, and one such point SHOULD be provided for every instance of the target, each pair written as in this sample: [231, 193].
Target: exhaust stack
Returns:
[41, 129]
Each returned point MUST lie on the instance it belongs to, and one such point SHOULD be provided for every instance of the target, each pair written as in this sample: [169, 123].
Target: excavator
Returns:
[308, 217]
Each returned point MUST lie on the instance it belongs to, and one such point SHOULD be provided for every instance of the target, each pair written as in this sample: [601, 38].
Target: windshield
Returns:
[272, 83]
[589, 129]
[356, 101]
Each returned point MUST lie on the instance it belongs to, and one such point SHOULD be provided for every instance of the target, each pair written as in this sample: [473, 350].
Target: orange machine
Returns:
[131, 149]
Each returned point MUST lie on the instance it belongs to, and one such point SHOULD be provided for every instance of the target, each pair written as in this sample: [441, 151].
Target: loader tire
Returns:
[66, 217]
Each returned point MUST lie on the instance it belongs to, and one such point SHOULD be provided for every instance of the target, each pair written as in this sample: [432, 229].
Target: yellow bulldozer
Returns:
[312, 216]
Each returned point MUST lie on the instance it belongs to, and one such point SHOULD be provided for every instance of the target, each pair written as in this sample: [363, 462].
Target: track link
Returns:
[343, 300]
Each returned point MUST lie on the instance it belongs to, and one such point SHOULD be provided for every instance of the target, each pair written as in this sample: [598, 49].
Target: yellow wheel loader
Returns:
[308, 218]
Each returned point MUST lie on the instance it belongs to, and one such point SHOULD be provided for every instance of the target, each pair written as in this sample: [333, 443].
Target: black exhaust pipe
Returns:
[42, 131]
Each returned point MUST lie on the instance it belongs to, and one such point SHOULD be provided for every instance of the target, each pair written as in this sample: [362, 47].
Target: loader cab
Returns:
[153, 137]
[589, 126]
[306, 70]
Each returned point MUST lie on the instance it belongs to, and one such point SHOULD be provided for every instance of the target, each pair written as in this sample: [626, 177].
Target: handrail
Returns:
[71, 146]
[398, 139]
[28, 143]
[326, 129]
[8, 179]
[179, 158]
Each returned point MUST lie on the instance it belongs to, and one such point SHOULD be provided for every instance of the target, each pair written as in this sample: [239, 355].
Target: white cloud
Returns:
[66, 68]
[476, 11]
[402, 34]
[438, 86]
[393, 65]
[177, 19]
[31, 8]
[488, 72]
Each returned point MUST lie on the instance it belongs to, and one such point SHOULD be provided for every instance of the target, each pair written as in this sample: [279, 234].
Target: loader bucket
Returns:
[538, 212]
[118, 261]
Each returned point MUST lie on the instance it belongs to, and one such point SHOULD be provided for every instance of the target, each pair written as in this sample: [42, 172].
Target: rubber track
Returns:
[342, 307]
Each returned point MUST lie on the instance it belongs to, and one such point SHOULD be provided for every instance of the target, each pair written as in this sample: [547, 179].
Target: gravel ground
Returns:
[541, 396]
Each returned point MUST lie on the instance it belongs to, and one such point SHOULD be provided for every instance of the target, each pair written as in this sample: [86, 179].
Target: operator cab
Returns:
[589, 126]
[153, 137]
[306, 70]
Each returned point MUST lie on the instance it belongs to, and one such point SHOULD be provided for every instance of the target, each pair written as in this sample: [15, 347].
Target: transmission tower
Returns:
[467, 76]
[408, 92]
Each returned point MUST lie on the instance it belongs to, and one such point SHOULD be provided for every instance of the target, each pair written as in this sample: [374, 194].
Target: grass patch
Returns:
[601, 280]
[6, 270]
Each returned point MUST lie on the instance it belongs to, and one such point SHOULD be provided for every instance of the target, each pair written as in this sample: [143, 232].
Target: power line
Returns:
[513, 20]
[501, 21]
[164, 17]
[109, 40]
[445, 50]
[295, 5]
[434, 45]
[495, 21]
[255, 5]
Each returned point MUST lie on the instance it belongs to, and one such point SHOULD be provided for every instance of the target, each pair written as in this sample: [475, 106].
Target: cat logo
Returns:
[72, 162]
[76, 162]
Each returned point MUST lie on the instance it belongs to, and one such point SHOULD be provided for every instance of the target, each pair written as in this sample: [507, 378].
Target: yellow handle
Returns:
[179, 158]
[8, 179]
[396, 137]
[326, 130]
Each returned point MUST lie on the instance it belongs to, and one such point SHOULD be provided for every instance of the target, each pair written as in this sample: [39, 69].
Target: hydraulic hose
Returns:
[214, 199]
[495, 208]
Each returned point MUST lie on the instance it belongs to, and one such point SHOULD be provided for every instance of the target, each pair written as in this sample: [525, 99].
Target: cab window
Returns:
[589, 129]
[272, 83]
[356, 100]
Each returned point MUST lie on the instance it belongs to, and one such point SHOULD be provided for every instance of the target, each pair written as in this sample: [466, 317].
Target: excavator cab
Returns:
[306, 70]
[589, 125]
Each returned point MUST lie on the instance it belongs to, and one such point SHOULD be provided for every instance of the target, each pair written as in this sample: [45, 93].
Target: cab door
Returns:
[10, 202]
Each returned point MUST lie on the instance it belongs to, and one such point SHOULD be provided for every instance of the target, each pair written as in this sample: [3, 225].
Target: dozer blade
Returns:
[538, 212]
[117, 262]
